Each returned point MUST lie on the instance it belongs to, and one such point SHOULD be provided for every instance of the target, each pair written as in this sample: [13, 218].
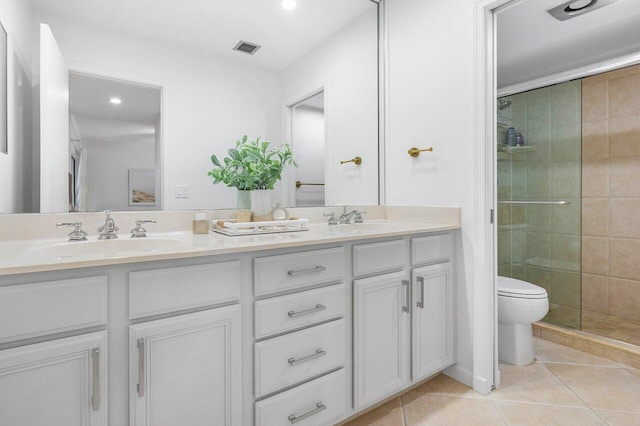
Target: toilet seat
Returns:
[511, 287]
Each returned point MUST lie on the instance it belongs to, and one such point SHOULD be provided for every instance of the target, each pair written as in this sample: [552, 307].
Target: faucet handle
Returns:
[332, 218]
[358, 218]
[139, 231]
[77, 234]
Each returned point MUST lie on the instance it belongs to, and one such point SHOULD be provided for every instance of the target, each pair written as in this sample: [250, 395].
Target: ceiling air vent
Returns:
[575, 8]
[246, 47]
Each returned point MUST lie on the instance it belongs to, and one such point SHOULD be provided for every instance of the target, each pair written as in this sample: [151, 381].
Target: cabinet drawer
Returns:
[175, 289]
[378, 257]
[30, 310]
[297, 270]
[285, 313]
[319, 402]
[433, 248]
[287, 360]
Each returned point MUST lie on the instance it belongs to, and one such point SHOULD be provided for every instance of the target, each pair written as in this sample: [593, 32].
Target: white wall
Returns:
[108, 165]
[308, 147]
[212, 101]
[431, 103]
[344, 64]
[15, 167]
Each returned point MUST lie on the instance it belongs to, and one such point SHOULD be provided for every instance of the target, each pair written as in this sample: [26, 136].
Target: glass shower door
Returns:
[539, 194]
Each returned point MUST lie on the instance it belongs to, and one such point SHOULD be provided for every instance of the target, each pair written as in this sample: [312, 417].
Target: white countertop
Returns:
[37, 255]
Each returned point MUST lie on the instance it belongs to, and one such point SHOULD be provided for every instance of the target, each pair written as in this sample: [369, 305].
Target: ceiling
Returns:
[98, 119]
[532, 44]
[215, 26]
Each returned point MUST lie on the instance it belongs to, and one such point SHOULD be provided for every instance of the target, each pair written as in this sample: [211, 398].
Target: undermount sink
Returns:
[76, 249]
[366, 226]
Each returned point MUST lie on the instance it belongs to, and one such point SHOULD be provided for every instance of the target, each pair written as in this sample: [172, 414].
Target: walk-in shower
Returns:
[569, 196]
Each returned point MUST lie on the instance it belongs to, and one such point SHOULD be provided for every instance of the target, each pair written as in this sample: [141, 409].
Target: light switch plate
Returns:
[182, 191]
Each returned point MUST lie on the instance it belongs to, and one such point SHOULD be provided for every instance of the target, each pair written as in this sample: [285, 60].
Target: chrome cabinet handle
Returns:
[421, 301]
[405, 307]
[293, 273]
[319, 407]
[95, 388]
[318, 354]
[319, 307]
[141, 378]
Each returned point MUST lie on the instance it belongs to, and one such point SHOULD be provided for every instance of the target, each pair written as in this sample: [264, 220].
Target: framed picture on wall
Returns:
[142, 187]
[3, 91]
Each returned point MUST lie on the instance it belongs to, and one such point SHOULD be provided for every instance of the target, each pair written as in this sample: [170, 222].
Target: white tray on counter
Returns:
[264, 227]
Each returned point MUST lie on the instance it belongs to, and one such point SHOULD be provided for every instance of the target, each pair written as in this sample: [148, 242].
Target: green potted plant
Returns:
[253, 166]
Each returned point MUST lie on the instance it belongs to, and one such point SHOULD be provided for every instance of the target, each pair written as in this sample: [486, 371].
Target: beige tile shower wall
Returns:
[611, 193]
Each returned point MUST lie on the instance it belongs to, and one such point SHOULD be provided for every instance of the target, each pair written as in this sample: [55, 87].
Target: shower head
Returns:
[502, 104]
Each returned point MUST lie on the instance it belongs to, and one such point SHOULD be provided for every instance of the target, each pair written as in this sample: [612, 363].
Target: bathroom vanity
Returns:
[310, 327]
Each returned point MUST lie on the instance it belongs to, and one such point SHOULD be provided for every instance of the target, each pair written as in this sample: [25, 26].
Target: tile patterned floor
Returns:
[563, 387]
[617, 328]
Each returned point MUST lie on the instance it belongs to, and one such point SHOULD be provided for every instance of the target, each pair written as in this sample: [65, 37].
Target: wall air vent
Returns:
[246, 47]
[575, 8]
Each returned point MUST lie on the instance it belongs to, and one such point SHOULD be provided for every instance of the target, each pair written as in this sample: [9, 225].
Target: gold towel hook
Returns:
[356, 160]
[414, 152]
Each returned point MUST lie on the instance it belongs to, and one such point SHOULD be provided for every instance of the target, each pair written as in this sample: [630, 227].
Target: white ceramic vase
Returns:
[260, 205]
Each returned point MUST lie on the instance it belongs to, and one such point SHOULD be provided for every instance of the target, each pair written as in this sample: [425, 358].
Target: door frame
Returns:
[143, 80]
[288, 190]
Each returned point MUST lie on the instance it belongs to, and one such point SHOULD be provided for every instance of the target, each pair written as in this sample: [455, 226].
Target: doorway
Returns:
[308, 127]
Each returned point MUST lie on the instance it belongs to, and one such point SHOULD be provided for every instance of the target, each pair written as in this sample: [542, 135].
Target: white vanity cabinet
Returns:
[403, 329]
[299, 371]
[57, 383]
[186, 369]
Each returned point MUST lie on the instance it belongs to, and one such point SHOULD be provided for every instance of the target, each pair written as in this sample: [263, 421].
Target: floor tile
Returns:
[434, 410]
[618, 418]
[533, 383]
[519, 414]
[634, 371]
[389, 414]
[550, 352]
[601, 388]
[445, 385]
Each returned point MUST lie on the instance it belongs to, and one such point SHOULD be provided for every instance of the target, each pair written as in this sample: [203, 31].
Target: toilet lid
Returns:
[518, 288]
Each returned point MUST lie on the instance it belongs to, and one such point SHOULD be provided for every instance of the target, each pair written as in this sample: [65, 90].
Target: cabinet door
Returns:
[432, 320]
[186, 370]
[57, 383]
[381, 337]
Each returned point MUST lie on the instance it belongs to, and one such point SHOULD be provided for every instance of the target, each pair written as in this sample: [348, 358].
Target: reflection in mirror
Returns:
[211, 94]
[308, 146]
[114, 137]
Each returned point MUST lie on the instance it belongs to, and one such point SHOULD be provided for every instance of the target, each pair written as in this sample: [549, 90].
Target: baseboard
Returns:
[460, 374]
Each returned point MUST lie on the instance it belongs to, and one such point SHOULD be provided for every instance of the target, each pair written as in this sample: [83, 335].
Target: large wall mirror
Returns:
[156, 87]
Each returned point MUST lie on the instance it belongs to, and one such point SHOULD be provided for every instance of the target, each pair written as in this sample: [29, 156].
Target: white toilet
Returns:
[519, 305]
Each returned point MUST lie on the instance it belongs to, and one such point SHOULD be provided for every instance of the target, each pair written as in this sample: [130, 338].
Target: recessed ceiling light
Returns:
[289, 4]
[116, 101]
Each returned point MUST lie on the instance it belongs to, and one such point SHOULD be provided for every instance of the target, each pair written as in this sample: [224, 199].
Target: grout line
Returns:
[504, 419]
[404, 415]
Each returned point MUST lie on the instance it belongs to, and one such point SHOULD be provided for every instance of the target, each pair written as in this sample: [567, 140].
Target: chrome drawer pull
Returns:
[319, 307]
[318, 354]
[319, 407]
[95, 381]
[293, 273]
[141, 378]
[421, 301]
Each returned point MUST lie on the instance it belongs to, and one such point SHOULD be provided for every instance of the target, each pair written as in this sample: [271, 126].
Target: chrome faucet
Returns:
[345, 217]
[77, 234]
[108, 231]
[139, 231]
[332, 218]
